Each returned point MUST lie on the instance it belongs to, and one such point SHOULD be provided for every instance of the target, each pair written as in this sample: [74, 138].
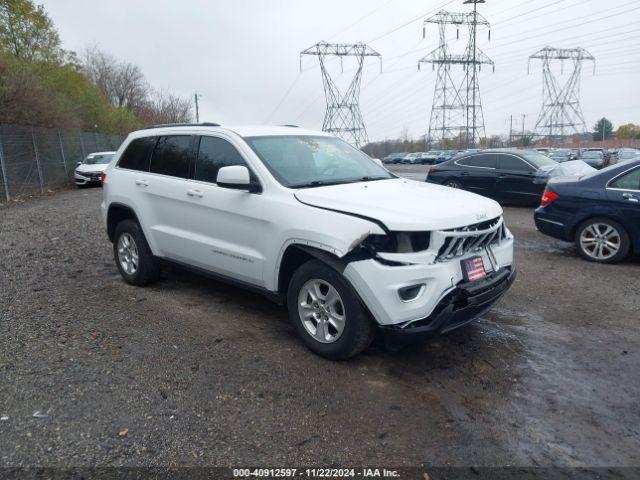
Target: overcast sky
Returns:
[242, 56]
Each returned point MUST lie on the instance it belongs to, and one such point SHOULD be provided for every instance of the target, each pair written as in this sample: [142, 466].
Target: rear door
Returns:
[478, 173]
[624, 191]
[514, 182]
[167, 212]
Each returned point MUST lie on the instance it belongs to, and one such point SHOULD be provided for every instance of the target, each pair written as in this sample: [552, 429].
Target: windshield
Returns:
[592, 154]
[308, 161]
[98, 159]
[538, 160]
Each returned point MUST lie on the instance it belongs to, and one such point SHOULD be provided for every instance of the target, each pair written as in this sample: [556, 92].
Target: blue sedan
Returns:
[600, 212]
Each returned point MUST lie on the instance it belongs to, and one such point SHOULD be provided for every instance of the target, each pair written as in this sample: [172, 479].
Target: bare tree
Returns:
[123, 83]
[167, 108]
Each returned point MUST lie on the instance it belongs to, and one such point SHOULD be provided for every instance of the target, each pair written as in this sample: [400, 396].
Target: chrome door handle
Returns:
[194, 193]
[630, 197]
[142, 183]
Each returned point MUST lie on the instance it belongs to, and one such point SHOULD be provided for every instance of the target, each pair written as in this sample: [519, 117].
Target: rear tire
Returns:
[327, 313]
[132, 254]
[452, 183]
[602, 240]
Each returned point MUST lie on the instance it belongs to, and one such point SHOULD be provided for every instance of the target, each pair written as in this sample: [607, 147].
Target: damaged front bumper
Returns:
[464, 304]
[380, 286]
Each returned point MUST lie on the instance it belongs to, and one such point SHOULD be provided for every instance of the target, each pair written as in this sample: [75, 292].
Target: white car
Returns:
[412, 158]
[90, 170]
[310, 221]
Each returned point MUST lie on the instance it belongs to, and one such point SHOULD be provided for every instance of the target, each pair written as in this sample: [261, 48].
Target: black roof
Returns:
[166, 125]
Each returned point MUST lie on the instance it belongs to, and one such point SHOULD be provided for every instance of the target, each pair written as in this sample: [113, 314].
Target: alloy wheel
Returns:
[321, 311]
[600, 241]
[128, 254]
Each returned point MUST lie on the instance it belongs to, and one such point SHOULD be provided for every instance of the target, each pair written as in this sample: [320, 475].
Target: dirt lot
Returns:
[193, 372]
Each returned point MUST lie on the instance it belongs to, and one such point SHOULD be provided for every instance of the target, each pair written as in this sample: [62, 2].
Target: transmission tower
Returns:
[456, 108]
[561, 113]
[343, 117]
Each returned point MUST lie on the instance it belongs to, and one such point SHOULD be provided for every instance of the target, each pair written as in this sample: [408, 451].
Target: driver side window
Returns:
[213, 154]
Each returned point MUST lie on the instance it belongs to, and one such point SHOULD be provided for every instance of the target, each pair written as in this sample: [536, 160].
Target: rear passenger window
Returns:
[513, 164]
[482, 160]
[172, 156]
[213, 154]
[630, 181]
[138, 154]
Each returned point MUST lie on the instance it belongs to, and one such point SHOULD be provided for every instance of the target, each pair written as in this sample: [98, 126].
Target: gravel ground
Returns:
[94, 372]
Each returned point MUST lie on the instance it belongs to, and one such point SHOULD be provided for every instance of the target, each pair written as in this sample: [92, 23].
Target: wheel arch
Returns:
[116, 213]
[633, 250]
[296, 254]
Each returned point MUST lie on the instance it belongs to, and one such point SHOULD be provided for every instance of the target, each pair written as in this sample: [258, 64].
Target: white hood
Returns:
[404, 205]
[98, 167]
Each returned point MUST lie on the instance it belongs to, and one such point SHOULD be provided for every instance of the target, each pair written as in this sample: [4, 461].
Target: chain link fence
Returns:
[33, 159]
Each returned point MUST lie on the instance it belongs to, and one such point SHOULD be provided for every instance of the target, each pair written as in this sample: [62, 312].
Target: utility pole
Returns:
[197, 108]
[510, 130]
[522, 136]
[343, 117]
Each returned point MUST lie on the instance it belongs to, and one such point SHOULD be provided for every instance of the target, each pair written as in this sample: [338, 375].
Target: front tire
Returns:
[602, 240]
[132, 254]
[327, 313]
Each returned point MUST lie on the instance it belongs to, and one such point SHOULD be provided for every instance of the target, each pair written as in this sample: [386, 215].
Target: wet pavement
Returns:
[194, 372]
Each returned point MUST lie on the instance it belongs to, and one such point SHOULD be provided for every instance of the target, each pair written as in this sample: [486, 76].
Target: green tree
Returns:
[27, 32]
[602, 130]
[627, 131]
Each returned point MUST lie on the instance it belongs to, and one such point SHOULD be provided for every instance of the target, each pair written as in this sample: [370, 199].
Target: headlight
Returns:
[397, 242]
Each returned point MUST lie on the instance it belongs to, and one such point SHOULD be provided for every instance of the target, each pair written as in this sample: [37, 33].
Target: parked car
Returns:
[560, 155]
[605, 154]
[595, 158]
[394, 158]
[599, 212]
[510, 176]
[89, 171]
[628, 154]
[446, 155]
[308, 220]
[412, 158]
[429, 157]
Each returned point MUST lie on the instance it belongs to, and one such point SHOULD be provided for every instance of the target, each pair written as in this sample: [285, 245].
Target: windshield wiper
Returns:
[371, 179]
[318, 183]
[324, 183]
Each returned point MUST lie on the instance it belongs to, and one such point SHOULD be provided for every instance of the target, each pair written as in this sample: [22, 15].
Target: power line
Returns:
[415, 19]
[360, 19]
[284, 97]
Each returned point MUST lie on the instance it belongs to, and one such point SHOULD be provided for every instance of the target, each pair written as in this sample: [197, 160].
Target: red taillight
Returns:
[547, 197]
[429, 170]
[103, 177]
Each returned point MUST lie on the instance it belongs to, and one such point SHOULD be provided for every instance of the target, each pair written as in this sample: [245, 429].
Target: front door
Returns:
[226, 226]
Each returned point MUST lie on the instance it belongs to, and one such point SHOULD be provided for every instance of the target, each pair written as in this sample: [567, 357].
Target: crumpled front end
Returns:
[409, 285]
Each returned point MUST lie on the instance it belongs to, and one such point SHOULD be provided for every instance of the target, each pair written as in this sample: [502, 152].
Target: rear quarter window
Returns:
[628, 181]
[138, 154]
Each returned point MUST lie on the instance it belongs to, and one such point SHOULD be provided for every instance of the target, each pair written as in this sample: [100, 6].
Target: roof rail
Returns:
[292, 126]
[165, 125]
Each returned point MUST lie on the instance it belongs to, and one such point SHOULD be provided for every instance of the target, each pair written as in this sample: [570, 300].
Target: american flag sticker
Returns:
[473, 269]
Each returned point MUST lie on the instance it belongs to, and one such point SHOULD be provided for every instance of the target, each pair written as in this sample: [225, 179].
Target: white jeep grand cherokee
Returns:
[311, 221]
